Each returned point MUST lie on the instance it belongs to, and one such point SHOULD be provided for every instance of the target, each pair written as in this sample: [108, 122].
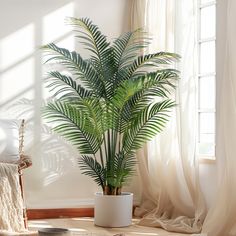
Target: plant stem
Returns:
[101, 156]
[119, 142]
[109, 143]
[105, 146]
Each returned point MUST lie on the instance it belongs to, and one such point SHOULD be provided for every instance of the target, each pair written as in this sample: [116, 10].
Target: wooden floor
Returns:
[85, 226]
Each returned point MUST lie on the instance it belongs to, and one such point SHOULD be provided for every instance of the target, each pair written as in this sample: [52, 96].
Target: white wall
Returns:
[54, 180]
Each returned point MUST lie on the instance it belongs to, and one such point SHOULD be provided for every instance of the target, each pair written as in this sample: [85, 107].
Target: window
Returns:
[206, 78]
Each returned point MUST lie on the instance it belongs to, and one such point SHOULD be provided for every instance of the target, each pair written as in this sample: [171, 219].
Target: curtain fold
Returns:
[172, 197]
[221, 218]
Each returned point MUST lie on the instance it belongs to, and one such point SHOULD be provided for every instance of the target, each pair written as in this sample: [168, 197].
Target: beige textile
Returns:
[11, 203]
[171, 194]
[221, 219]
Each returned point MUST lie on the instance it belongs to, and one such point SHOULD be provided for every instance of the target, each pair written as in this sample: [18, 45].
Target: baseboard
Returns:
[33, 214]
[60, 203]
[68, 203]
[36, 214]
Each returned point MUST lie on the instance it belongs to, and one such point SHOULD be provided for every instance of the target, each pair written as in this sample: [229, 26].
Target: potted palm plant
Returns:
[108, 106]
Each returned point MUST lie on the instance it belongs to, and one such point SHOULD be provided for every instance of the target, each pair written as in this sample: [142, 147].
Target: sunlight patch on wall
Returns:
[54, 26]
[17, 82]
[16, 47]
[55, 30]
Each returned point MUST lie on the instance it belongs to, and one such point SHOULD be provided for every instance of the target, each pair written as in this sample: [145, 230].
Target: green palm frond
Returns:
[119, 169]
[135, 94]
[128, 46]
[151, 61]
[81, 68]
[149, 122]
[119, 47]
[66, 87]
[117, 105]
[72, 124]
[92, 168]
[126, 49]
[95, 113]
[124, 92]
[124, 167]
[92, 37]
[153, 85]
[95, 42]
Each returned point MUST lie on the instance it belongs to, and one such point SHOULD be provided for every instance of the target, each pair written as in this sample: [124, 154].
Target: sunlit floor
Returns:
[85, 226]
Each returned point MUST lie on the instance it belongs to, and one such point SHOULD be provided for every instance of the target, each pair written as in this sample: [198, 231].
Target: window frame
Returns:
[205, 158]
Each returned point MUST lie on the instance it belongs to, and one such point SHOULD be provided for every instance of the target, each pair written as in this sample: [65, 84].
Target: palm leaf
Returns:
[124, 167]
[152, 61]
[72, 123]
[95, 113]
[83, 70]
[119, 169]
[96, 43]
[150, 121]
[65, 87]
[128, 46]
[92, 168]
[154, 84]
[125, 50]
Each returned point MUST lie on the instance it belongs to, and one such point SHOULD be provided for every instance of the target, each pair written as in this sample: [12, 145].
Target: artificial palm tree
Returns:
[109, 105]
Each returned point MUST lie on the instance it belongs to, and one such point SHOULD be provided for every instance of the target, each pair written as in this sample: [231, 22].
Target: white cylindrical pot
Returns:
[113, 210]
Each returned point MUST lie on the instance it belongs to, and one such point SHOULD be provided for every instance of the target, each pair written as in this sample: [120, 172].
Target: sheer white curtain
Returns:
[172, 198]
[221, 218]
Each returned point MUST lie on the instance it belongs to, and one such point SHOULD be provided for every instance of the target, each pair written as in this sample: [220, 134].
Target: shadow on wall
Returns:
[20, 58]
[20, 38]
[21, 73]
[25, 26]
[28, 24]
[57, 156]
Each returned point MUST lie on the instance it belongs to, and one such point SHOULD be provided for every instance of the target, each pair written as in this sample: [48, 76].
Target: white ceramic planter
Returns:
[113, 211]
